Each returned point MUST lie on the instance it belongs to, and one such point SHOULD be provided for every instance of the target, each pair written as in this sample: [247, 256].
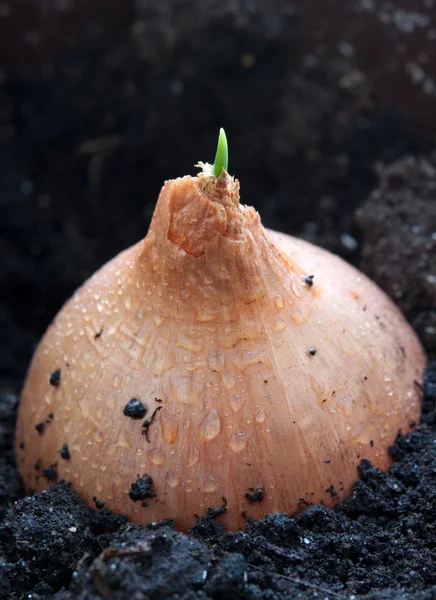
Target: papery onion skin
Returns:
[211, 319]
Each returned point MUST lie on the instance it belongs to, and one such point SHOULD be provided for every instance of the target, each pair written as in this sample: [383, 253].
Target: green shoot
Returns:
[222, 155]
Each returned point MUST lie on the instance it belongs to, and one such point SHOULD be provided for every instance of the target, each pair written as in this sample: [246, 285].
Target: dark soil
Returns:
[380, 543]
[319, 113]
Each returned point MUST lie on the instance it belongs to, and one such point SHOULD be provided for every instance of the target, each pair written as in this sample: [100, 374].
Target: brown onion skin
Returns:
[211, 318]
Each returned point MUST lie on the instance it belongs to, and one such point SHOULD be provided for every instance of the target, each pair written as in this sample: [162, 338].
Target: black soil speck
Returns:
[308, 280]
[98, 334]
[135, 409]
[40, 427]
[255, 496]
[142, 489]
[65, 452]
[50, 473]
[312, 352]
[99, 504]
[333, 493]
[55, 378]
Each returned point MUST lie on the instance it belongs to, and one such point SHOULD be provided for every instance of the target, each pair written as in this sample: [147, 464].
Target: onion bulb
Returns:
[216, 360]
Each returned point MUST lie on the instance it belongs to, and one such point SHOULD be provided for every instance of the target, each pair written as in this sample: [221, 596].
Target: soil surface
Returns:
[328, 132]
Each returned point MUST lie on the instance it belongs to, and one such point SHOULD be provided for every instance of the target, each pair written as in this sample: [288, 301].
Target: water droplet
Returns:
[279, 302]
[229, 381]
[117, 380]
[238, 442]
[210, 485]
[210, 427]
[261, 416]
[158, 319]
[193, 366]
[169, 426]
[173, 479]
[279, 325]
[156, 456]
[194, 345]
[295, 288]
[98, 437]
[233, 335]
[186, 391]
[216, 361]
[193, 456]
[114, 327]
[163, 362]
[236, 402]
[204, 317]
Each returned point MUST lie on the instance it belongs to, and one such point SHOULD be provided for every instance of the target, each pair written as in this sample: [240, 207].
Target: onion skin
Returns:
[210, 320]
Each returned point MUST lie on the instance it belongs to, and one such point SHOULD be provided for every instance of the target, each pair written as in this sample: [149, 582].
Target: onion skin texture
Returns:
[210, 317]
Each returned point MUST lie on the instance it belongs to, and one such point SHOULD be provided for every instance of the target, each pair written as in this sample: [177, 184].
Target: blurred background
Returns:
[322, 102]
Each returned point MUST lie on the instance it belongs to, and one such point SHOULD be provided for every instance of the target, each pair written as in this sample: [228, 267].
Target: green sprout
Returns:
[222, 155]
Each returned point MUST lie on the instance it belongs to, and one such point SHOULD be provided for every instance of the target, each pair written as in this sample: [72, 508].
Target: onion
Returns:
[216, 359]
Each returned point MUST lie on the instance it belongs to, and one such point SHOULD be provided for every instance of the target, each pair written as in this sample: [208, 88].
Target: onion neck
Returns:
[203, 238]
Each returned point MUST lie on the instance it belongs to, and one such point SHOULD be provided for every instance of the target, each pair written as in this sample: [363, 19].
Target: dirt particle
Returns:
[255, 496]
[333, 493]
[40, 427]
[142, 489]
[371, 443]
[99, 504]
[65, 452]
[308, 280]
[50, 473]
[135, 409]
[55, 378]
[312, 352]
[97, 335]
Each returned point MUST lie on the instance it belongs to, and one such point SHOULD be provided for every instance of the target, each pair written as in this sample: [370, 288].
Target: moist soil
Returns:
[325, 150]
